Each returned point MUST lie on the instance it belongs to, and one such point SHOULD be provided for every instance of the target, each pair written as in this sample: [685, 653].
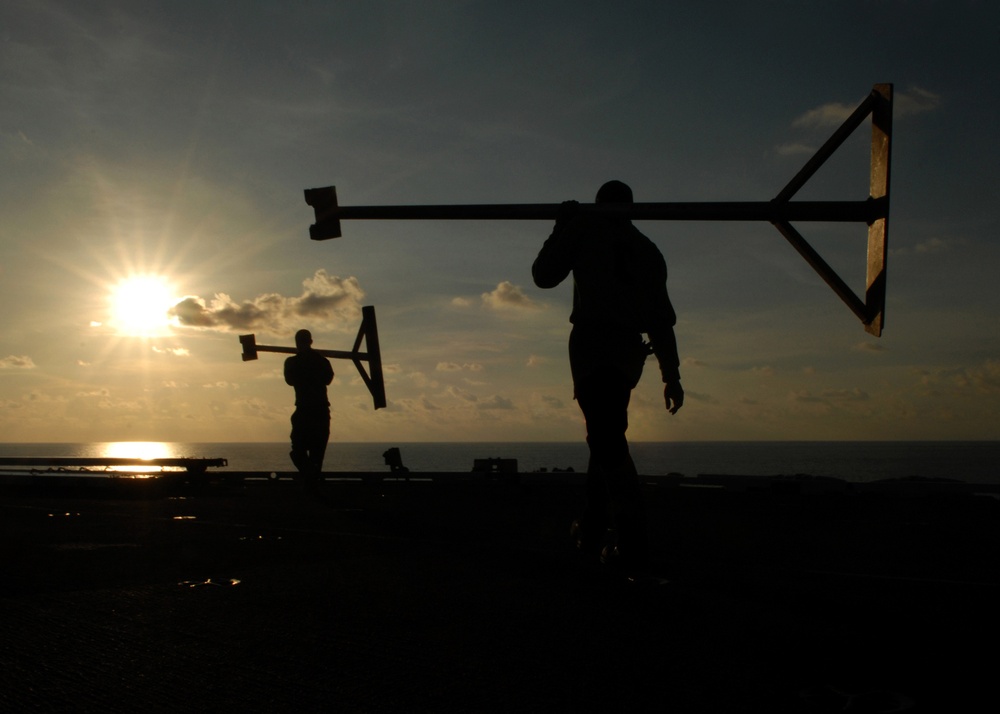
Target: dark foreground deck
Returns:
[465, 596]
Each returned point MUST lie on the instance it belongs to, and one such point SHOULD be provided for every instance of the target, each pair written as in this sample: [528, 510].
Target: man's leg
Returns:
[592, 527]
[319, 437]
[629, 517]
[600, 403]
[614, 495]
[300, 451]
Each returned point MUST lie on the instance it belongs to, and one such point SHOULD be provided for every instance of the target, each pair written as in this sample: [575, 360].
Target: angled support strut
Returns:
[781, 211]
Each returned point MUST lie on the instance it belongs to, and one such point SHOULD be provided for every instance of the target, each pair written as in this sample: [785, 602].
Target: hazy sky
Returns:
[173, 140]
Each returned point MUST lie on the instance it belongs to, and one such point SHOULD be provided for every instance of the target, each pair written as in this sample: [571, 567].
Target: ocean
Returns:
[854, 461]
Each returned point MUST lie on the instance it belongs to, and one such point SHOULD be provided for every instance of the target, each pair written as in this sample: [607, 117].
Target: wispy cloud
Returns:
[984, 377]
[914, 100]
[175, 351]
[325, 300]
[552, 402]
[795, 149]
[495, 402]
[453, 367]
[17, 362]
[832, 114]
[931, 245]
[508, 296]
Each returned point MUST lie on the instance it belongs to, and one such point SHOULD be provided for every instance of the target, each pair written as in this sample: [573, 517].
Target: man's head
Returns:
[614, 192]
[303, 340]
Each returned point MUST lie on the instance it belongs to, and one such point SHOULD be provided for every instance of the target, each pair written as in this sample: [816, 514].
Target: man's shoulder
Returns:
[304, 359]
[647, 244]
[639, 236]
[316, 358]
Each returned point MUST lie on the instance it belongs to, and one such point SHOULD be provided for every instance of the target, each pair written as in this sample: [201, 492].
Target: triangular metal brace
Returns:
[871, 311]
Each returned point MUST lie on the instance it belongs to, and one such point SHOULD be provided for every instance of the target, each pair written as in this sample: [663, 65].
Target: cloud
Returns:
[806, 397]
[495, 402]
[452, 367]
[832, 114]
[222, 384]
[830, 397]
[16, 145]
[914, 100]
[17, 362]
[428, 405]
[846, 395]
[795, 149]
[931, 245]
[325, 300]
[175, 351]
[508, 296]
[985, 378]
[256, 408]
[462, 395]
[553, 402]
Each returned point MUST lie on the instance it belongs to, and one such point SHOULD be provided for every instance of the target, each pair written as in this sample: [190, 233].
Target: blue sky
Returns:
[174, 140]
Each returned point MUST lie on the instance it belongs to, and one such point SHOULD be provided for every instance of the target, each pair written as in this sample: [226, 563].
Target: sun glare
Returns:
[137, 450]
[139, 305]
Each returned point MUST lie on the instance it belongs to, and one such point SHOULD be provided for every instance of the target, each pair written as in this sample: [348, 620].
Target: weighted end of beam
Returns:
[324, 203]
[249, 343]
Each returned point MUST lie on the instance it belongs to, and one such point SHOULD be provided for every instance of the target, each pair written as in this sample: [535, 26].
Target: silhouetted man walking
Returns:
[310, 373]
[619, 294]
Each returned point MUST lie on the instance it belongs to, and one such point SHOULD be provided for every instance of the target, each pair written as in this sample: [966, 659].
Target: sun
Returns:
[140, 305]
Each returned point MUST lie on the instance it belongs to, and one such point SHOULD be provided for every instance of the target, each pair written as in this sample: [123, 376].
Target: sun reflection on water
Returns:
[145, 450]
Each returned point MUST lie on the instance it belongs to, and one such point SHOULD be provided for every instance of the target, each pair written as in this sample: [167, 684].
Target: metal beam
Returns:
[329, 213]
[781, 211]
[367, 333]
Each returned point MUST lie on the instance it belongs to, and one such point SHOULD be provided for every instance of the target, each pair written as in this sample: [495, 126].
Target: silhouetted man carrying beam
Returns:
[619, 294]
[310, 373]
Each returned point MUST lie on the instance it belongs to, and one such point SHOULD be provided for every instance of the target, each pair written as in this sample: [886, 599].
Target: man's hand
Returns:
[673, 395]
[567, 209]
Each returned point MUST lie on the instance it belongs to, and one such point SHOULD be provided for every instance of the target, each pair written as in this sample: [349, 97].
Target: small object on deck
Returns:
[505, 468]
[394, 460]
